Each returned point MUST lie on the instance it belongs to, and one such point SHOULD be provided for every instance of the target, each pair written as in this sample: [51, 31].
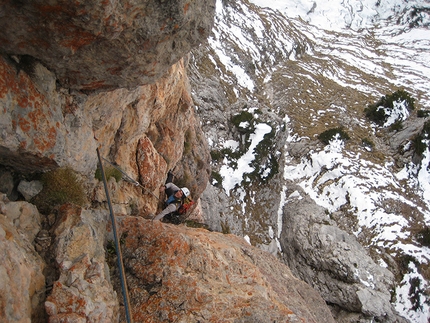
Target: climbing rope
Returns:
[117, 246]
[129, 179]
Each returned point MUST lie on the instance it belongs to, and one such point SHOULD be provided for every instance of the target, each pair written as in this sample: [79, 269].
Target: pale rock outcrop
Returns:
[24, 216]
[29, 189]
[150, 130]
[334, 263]
[179, 274]
[22, 282]
[53, 113]
[93, 45]
[83, 292]
[146, 131]
[39, 125]
[31, 120]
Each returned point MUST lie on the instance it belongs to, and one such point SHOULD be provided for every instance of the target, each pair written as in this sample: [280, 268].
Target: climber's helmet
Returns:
[186, 191]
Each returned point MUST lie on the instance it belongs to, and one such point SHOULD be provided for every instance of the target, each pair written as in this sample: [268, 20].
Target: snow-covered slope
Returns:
[337, 15]
[383, 38]
[298, 69]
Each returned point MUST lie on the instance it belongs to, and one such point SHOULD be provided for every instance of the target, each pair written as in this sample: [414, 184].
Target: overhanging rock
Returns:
[95, 45]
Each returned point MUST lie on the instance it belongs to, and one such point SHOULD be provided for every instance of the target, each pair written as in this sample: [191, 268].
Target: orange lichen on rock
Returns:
[181, 274]
[28, 108]
[152, 166]
[186, 7]
[7, 79]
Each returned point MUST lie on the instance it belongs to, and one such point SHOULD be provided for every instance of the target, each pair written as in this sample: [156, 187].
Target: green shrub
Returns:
[246, 117]
[216, 177]
[418, 142]
[195, 224]
[265, 159]
[378, 115]
[415, 293]
[330, 134]
[367, 143]
[60, 186]
[423, 236]
[109, 172]
[423, 113]
[110, 247]
[397, 126]
[403, 261]
[265, 164]
[216, 155]
[232, 156]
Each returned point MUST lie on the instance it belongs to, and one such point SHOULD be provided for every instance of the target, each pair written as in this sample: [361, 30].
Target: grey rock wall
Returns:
[333, 261]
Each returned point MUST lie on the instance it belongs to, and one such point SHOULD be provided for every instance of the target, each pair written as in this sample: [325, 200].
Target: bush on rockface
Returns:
[109, 172]
[423, 236]
[216, 155]
[377, 112]
[420, 141]
[216, 179]
[60, 186]
[331, 134]
[244, 122]
[423, 113]
[265, 163]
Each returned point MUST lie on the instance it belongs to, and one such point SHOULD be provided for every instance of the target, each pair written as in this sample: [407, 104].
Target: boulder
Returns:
[180, 274]
[21, 272]
[30, 119]
[24, 216]
[333, 262]
[83, 292]
[30, 189]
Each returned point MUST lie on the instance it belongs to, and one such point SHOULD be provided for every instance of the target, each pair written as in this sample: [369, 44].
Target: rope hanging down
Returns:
[129, 179]
[117, 246]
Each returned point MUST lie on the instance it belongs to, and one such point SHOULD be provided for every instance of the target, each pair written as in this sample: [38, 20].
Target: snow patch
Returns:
[234, 176]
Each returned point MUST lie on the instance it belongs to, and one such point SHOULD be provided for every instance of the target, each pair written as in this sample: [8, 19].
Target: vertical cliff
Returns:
[74, 78]
[79, 76]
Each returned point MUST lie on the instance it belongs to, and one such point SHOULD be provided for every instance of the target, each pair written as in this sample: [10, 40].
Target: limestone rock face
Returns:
[334, 263]
[180, 274]
[145, 131]
[93, 45]
[150, 130]
[22, 282]
[83, 292]
[24, 216]
[30, 118]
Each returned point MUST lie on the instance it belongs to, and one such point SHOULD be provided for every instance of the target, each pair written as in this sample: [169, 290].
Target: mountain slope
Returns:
[264, 70]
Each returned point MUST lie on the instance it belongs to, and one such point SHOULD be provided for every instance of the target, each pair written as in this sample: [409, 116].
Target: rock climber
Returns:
[175, 196]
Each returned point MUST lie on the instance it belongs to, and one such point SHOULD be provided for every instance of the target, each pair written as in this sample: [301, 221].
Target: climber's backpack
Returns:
[184, 208]
[180, 214]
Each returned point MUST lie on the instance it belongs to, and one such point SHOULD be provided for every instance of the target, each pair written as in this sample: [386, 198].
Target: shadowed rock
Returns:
[94, 45]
